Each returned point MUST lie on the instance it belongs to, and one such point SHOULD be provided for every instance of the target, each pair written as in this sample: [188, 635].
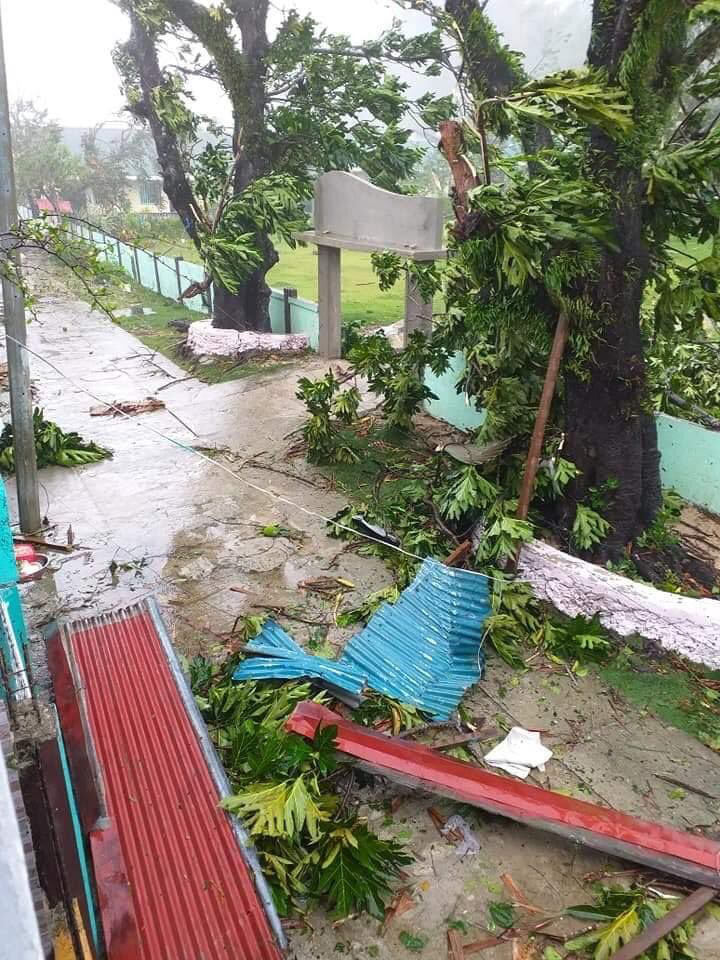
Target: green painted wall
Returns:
[450, 405]
[690, 453]
[8, 587]
[690, 460]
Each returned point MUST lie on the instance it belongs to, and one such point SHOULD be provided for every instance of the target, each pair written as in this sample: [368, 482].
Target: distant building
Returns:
[44, 205]
[144, 184]
[144, 195]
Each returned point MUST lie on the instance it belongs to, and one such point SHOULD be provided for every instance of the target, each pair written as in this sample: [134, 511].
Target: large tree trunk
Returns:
[249, 309]
[610, 429]
[141, 49]
[243, 74]
[610, 432]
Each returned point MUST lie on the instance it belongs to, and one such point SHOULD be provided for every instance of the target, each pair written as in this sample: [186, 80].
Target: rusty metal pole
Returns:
[686, 909]
[551, 376]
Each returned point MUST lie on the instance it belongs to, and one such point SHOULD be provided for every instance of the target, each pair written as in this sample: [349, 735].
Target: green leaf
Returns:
[707, 8]
[414, 942]
[589, 528]
[587, 912]
[610, 938]
[279, 809]
[355, 869]
[502, 914]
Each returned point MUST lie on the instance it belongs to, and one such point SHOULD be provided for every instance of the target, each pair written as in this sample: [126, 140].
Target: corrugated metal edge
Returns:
[217, 771]
[662, 847]
[71, 707]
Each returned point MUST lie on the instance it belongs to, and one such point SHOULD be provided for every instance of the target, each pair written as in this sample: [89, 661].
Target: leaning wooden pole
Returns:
[536, 443]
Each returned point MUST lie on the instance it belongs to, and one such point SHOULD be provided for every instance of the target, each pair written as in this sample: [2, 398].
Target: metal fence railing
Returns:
[171, 276]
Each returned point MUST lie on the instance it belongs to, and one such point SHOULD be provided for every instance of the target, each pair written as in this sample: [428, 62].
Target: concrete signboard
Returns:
[352, 214]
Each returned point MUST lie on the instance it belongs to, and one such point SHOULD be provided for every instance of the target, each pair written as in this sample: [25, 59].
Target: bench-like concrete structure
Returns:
[352, 214]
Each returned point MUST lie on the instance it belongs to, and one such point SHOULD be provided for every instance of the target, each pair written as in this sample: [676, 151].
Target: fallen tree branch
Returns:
[706, 419]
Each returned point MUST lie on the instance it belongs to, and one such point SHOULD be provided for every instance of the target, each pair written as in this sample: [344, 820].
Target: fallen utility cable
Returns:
[270, 494]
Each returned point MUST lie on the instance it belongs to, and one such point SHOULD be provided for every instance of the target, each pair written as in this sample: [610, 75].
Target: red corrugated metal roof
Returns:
[56, 206]
[194, 894]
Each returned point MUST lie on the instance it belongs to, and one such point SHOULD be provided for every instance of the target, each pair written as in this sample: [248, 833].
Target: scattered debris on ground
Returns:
[128, 407]
[52, 446]
[220, 565]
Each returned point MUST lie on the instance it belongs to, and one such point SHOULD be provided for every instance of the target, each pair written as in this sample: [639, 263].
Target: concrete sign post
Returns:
[329, 311]
[418, 312]
[352, 214]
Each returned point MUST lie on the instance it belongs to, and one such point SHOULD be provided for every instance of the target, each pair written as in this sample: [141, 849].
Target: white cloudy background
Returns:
[58, 51]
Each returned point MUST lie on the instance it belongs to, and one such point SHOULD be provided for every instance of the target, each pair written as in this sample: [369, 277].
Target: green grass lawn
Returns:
[362, 300]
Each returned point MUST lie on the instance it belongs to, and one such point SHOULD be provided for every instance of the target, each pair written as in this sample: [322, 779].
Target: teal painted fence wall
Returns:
[690, 460]
[690, 453]
[9, 591]
[169, 276]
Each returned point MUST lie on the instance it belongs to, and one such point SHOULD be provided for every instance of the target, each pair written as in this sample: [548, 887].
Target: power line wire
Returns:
[270, 494]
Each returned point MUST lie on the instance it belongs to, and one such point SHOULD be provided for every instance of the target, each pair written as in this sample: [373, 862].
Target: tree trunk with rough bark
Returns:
[243, 75]
[610, 429]
[249, 309]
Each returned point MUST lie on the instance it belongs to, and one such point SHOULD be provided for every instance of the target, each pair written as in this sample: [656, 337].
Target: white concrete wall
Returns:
[19, 936]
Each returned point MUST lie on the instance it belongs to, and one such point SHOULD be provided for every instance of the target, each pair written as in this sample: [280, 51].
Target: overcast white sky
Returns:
[58, 51]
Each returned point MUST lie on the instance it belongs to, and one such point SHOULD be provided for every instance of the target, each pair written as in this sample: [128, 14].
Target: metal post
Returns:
[178, 261]
[21, 407]
[157, 272]
[289, 293]
[137, 265]
[119, 250]
[418, 312]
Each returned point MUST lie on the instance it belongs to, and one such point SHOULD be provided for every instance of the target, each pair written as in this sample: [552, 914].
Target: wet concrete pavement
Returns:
[158, 519]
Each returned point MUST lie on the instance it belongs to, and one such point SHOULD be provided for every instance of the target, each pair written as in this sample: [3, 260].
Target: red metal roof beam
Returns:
[681, 854]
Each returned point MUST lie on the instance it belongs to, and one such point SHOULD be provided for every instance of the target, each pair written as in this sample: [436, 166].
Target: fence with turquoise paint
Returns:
[169, 276]
[690, 453]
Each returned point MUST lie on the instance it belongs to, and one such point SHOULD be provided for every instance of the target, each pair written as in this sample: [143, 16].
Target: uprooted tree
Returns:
[301, 102]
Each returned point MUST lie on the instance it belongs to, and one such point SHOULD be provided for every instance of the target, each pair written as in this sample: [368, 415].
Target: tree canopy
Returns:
[301, 101]
[44, 166]
[577, 194]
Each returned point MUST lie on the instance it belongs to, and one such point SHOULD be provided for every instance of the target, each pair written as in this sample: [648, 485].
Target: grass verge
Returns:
[362, 300]
[686, 699]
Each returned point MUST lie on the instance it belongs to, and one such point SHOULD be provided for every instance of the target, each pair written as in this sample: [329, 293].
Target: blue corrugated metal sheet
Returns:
[424, 650]
[285, 660]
